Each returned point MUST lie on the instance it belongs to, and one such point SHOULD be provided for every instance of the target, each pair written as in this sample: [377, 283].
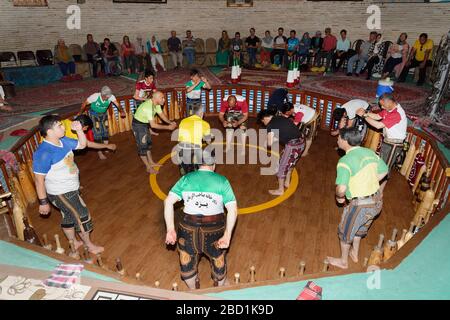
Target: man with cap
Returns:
[392, 119]
[98, 103]
[204, 228]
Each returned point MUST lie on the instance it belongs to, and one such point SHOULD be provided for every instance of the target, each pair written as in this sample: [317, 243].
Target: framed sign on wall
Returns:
[239, 3]
[30, 3]
[140, 1]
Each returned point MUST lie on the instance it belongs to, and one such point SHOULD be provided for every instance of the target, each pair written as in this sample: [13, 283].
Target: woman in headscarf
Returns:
[129, 55]
[266, 48]
[397, 56]
[223, 50]
[64, 59]
[154, 48]
[303, 47]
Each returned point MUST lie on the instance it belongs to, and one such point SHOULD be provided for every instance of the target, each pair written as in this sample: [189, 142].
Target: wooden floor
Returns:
[128, 217]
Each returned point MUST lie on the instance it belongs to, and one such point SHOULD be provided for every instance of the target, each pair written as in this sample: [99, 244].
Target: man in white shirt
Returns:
[342, 51]
[392, 119]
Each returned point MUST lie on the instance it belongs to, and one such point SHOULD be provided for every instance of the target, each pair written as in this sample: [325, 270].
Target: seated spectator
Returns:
[142, 56]
[175, 50]
[375, 57]
[236, 48]
[129, 55]
[93, 54]
[292, 45]
[64, 59]
[266, 48]
[342, 51]
[361, 56]
[303, 47]
[316, 45]
[252, 43]
[397, 56]
[154, 47]
[189, 47]
[420, 56]
[279, 48]
[3, 104]
[223, 50]
[327, 51]
[110, 55]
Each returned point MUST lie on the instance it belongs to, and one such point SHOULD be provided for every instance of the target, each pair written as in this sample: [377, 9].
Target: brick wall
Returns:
[39, 28]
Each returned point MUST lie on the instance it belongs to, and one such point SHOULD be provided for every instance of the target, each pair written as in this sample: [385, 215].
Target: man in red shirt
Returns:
[328, 47]
[234, 115]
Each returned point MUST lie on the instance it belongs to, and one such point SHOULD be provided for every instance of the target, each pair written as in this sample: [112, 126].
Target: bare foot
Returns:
[77, 244]
[155, 165]
[337, 262]
[304, 154]
[153, 133]
[353, 256]
[287, 184]
[276, 192]
[151, 170]
[96, 249]
[101, 156]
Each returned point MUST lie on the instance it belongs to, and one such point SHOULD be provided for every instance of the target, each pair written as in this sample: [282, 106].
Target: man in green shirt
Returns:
[205, 193]
[194, 90]
[145, 118]
[359, 173]
[99, 103]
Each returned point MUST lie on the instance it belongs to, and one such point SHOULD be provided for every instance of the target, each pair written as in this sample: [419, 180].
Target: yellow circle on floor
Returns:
[253, 209]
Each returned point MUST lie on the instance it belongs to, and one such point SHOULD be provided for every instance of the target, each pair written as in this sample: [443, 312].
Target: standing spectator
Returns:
[110, 55]
[342, 51]
[194, 90]
[266, 48]
[420, 56]
[175, 51]
[252, 42]
[189, 47]
[327, 50]
[154, 47]
[316, 45]
[64, 59]
[279, 47]
[236, 48]
[93, 54]
[292, 45]
[143, 58]
[129, 55]
[304, 47]
[361, 56]
[375, 56]
[358, 178]
[223, 50]
[397, 56]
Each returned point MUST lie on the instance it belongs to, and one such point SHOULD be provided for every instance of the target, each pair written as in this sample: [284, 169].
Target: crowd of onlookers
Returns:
[372, 56]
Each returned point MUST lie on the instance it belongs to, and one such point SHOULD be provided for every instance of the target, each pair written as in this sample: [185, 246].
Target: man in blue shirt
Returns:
[292, 45]
[57, 180]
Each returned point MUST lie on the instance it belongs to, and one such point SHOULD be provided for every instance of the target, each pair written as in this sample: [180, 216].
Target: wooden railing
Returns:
[257, 98]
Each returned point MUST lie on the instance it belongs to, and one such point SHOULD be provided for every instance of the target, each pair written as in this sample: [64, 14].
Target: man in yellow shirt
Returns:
[419, 56]
[192, 131]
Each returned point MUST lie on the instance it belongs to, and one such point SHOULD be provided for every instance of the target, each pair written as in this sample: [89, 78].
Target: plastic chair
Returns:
[26, 58]
[8, 59]
[44, 57]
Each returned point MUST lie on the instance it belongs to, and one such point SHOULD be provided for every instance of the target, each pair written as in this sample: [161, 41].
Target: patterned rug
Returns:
[266, 78]
[411, 97]
[178, 78]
